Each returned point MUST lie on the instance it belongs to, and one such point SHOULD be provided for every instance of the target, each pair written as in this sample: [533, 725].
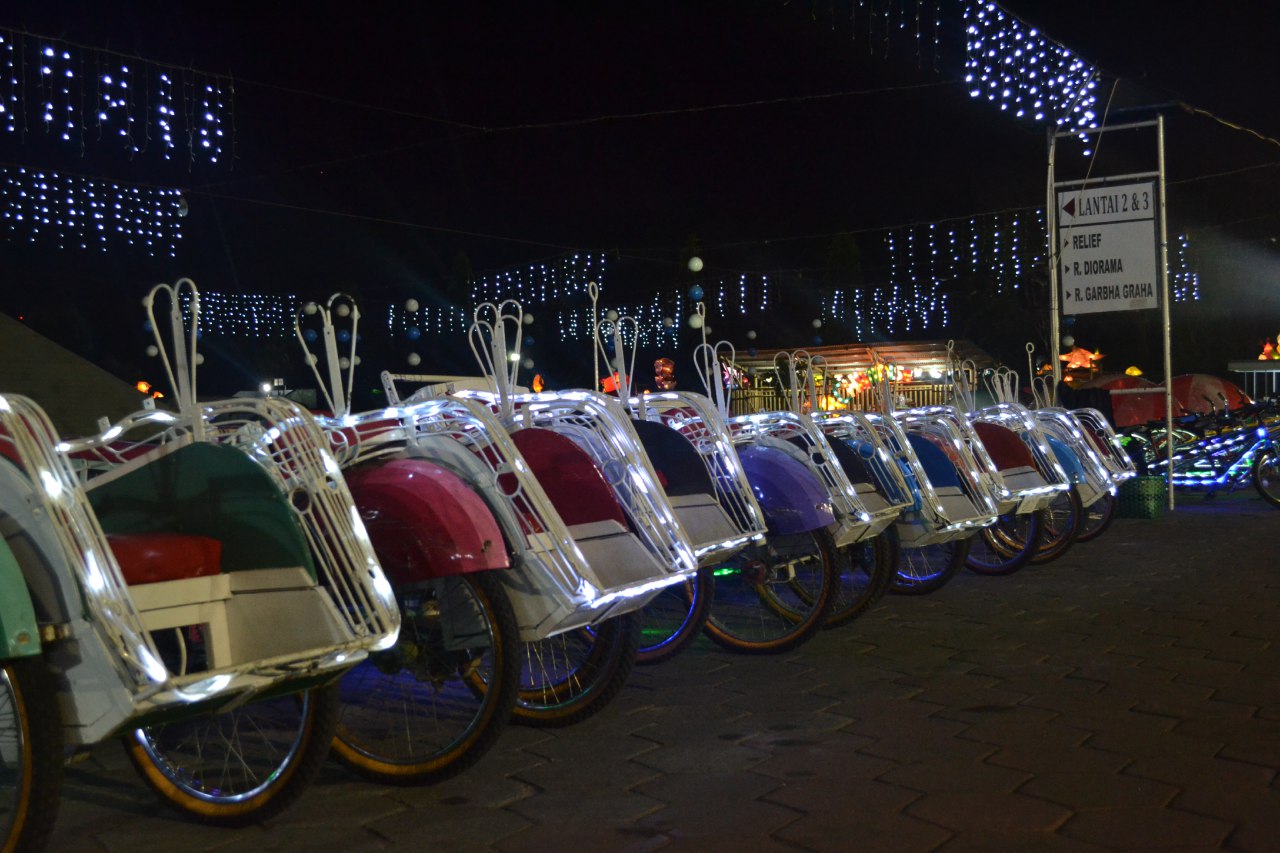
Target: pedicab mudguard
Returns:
[425, 521]
[792, 499]
[18, 631]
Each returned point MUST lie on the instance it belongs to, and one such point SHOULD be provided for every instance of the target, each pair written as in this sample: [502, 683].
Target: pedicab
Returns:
[591, 534]
[1094, 458]
[193, 583]
[1033, 478]
[962, 494]
[869, 565]
[775, 595]
[690, 448]
[434, 703]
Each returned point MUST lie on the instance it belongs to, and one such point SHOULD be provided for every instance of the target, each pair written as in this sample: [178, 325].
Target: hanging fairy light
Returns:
[87, 97]
[539, 283]
[1022, 73]
[76, 212]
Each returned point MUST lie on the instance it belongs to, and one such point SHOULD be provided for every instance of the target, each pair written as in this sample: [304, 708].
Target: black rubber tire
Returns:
[210, 793]
[1063, 519]
[1098, 517]
[31, 729]
[867, 570]
[572, 676]
[1266, 475]
[411, 714]
[928, 569]
[1007, 545]
[675, 618]
[757, 612]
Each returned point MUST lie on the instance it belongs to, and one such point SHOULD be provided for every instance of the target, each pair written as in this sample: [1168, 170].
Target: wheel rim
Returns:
[562, 669]
[667, 616]
[1096, 517]
[1058, 520]
[15, 758]
[233, 757]
[1268, 471]
[857, 576]
[920, 566]
[418, 702]
[768, 592]
[1001, 542]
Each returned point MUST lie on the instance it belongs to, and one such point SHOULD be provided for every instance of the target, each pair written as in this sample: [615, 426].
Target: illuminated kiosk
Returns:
[918, 375]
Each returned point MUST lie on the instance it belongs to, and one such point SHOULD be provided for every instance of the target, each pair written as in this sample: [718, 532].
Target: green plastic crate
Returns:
[1142, 497]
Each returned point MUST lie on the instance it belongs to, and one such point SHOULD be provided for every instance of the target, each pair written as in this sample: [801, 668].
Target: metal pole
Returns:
[1164, 312]
[1051, 228]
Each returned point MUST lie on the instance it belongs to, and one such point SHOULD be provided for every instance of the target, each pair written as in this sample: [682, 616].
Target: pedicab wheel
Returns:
[866, 573]
[411, 714]
[1097, 517]
[1007, 545]
[773, 596]
[31, 745]
[573, 675]
[242, 766]
[675, 618]
[929, 568]
[1062, 522]
[1266, 475]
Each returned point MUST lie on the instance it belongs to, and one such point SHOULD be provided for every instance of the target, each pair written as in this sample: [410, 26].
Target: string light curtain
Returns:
[76, 212]
[84, 98]
[1013, 67]
[551, 281]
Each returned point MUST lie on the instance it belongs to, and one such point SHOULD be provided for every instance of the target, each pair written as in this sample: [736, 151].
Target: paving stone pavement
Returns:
[1124, 697]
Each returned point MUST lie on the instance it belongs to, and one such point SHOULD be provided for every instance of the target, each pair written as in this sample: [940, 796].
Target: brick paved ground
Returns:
[1126, 696]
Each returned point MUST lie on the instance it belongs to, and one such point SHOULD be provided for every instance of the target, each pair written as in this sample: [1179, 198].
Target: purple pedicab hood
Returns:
[791, 496]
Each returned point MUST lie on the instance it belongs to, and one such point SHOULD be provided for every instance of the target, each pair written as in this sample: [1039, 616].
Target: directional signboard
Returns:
[1107, 248]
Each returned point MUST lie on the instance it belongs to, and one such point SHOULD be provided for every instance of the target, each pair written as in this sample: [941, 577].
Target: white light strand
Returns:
[575, 323]
[244, 315]
[745, 295]
[541, 283]
[1186, 281]
[76, 212]
[1015, 68]
[86, 97]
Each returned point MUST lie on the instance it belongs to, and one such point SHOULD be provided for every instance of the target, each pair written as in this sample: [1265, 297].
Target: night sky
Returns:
[375, 144]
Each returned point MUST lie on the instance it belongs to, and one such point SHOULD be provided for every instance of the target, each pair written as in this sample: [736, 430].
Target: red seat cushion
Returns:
[152, 557]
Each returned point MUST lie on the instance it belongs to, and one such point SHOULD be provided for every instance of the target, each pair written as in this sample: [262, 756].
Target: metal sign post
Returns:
[1105, 253]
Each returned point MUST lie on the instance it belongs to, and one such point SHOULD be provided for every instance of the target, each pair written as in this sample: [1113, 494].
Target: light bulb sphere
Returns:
[817, 324]
[527, 319]
[527, 364]
[153, 351]
[1068, 341]
[611, 315]
[695, 264]
[415, 359]
[751, 335]
[344, 363]
[357, 360]
[199, 358]
[668, 322]
[696, 293]
[411, 305]
[695, 321]
[343, 310]
[310, 308]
